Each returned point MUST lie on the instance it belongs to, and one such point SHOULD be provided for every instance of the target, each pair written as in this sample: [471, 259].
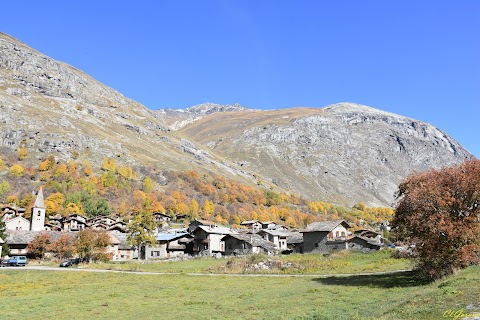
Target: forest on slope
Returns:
[120, 190]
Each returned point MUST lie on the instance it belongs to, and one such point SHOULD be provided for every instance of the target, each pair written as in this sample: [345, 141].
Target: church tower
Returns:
[38, 213]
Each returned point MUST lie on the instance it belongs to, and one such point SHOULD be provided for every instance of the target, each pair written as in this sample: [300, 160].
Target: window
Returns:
[39, 213]
[337, 234]
[343, 233]
[316, 245]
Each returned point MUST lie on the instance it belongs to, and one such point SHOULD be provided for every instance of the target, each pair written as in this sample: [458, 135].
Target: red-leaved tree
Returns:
[438, 211]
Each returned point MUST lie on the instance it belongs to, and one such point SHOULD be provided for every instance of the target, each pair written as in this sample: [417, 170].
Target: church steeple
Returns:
[38, 212]
[39, 202]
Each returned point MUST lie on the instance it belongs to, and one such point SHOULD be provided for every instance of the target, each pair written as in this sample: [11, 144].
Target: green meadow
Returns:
[34, 294]
[343, 262]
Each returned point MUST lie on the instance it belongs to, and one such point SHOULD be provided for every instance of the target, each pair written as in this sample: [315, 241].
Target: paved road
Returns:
[43, 268]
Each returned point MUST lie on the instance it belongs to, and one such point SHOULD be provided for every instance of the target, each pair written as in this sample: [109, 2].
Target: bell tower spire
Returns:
[38, 212]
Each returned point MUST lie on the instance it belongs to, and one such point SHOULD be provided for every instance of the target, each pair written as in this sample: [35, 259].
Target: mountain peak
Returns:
[209, 108]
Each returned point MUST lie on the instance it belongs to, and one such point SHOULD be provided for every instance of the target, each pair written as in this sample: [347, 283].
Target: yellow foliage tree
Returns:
[147, 184]
[12, 200]
[87, 168]
[22, 153]
[73, 208]
[16, 171]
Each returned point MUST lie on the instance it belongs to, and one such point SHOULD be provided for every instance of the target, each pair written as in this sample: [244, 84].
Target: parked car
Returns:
[3, 262]
[69, 262]
[17, 261]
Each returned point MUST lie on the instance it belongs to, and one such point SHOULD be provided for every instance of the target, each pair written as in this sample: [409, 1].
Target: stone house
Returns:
[199, 222]
[208, 240]
[323, 237]
[277, 237]
[18, 240]
[161, 217]
[170, 245]
[252, 224]
[363, 243]
[366, 240]
[295, 242]
[112, 249]
[125, 250]
[247, 243]
[74, 222]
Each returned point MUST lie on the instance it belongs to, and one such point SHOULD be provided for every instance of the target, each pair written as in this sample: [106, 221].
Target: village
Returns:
[199, 238]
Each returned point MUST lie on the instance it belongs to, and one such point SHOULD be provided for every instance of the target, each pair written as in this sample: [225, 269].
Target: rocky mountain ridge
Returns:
[342, 153]
[178, 118]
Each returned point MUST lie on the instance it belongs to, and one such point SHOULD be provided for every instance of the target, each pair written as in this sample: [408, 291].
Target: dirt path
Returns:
[43, 268]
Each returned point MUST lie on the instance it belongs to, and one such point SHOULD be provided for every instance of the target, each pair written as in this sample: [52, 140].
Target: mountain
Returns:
[342, 153]
[178, 118]
[53, 108]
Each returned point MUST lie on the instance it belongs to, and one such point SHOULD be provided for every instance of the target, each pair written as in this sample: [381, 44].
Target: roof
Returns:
[294, 237]
[215, 230]
[114, 239]
[171, 236]
[325, 226]
[1, 241]
[204, 222]
[123, 238]
[17, 218]
[254, 239]
[26, 236]
[39, 203]
[273, 232]
[247, 222]
[367, 240]
[365, 232]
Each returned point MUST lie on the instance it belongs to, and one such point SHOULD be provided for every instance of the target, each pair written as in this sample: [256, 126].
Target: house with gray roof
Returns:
[18, 240]
[208, 239]
[325, 236]
[169, 245]
[295, 242]
[247, 243]
[277, 237]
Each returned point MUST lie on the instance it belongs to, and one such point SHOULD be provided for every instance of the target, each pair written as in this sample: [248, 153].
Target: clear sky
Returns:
[416, 58]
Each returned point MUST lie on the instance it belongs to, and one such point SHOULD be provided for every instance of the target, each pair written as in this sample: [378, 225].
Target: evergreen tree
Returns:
[3, 236]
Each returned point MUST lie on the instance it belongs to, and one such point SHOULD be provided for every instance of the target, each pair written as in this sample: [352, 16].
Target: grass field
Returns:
[33, 294]
[343, 262]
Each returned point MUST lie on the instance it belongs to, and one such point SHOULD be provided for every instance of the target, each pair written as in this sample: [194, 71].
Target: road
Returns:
[44, 268]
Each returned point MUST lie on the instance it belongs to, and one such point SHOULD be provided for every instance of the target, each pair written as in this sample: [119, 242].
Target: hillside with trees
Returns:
[119, 190]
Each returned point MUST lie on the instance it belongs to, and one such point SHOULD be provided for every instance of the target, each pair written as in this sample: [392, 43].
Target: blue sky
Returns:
[416, 58]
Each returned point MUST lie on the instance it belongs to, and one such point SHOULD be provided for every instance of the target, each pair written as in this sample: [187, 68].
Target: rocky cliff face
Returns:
[345, 152]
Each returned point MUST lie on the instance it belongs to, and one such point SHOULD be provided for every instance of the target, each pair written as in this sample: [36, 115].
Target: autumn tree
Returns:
[62, 247]
[147, 184]
[91, 244]
[439, 212]
[141, 228]
[39, 246]
[22, 153]
[16, 171]
[4, 189]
